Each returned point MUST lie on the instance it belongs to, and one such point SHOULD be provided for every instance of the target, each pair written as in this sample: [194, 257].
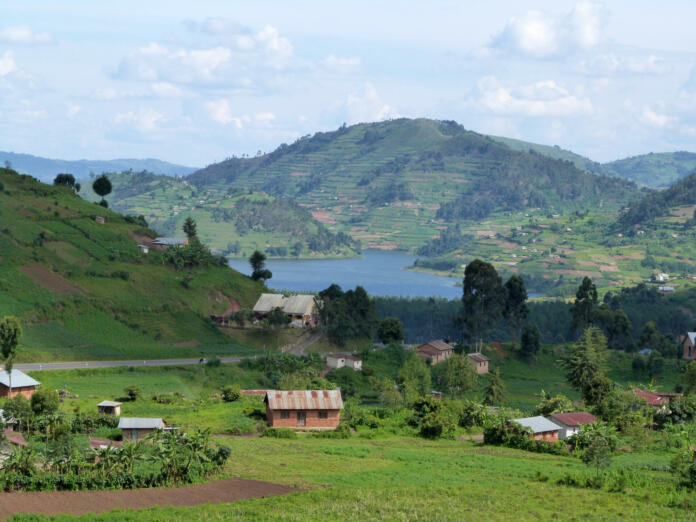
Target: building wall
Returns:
[313, 421]
[689, 351]
[481, 367]
[27, 391]
[334, 362]
[142, 433]
[548, 436]
[110, 410]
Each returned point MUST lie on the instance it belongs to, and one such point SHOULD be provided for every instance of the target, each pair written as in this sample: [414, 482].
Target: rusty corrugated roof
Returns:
[304, 399]
[438, 345]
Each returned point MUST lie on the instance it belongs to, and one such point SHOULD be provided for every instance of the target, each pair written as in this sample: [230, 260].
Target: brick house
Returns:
[657, 399]
[339, 360]
[689, 345]
[137, 428]
[304, 409]
[571, 423]
[436, 351]
[22, 384]
[542, 428]
[479, 361]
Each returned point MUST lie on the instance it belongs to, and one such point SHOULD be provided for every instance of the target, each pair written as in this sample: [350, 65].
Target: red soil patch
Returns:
[81, 502]
[49, 280]
[323, 217]
[141, 240]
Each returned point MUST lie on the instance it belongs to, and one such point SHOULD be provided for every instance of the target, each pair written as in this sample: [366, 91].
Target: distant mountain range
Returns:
[46, 169]
[652, 170]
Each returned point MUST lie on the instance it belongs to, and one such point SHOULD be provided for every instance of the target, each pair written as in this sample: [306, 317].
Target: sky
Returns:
[196, 82]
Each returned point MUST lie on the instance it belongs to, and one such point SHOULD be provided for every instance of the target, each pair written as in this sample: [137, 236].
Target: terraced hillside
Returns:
[395, 184]
[84, 291]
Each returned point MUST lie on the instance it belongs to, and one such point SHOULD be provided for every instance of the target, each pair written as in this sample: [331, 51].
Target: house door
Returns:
[134, 435]
[301, 418]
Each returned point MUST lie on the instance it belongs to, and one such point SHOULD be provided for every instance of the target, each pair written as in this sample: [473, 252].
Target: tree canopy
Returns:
[483, 299]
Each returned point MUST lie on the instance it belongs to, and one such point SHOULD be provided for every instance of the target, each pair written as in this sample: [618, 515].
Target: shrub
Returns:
[45, 401]
[342, 432]
[132, 392]
[230, 393]
[213, 362]
[279, 433]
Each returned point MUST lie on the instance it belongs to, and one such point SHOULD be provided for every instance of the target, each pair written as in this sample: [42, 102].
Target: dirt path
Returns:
[80, 502]
[305, 342]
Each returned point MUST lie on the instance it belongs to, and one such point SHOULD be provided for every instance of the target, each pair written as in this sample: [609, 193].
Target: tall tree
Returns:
[10, 333]
[190, 227]
[584, 305]
[390, 330]
[585, 360]
[258, 267]
[415, 379]
[102, 187]
[67, 180]
[495, 391]
[460, 375]
[531, 340]
[483, 299]
[516, 310]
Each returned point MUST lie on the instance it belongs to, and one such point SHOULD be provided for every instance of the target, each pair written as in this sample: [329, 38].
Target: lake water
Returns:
[379, 272]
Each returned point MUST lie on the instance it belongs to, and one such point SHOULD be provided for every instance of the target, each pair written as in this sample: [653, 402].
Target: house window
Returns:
[284, 414]
[323, 414]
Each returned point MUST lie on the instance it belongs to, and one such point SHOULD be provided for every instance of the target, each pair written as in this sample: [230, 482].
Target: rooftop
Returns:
[344, 356]
[478, 357]
[577, 418]
[19, 379]
[538, 424]
[304, 400]
[109, 404]
[140, 423]
[170, 241]
[438, 345]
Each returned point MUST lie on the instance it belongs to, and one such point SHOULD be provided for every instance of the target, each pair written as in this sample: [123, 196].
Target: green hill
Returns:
[654, 170]
[83, 290]
[396, 184]
[235, 222]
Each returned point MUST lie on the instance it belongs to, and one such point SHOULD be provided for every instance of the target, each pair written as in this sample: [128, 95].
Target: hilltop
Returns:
[83, 290]
[46, 169]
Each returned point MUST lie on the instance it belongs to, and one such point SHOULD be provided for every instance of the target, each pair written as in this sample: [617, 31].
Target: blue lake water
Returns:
[379, 272]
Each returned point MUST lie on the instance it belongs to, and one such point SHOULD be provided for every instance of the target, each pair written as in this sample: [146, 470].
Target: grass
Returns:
[412, 479]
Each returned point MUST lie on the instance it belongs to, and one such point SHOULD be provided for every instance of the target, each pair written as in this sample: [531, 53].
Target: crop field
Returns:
[414, 479]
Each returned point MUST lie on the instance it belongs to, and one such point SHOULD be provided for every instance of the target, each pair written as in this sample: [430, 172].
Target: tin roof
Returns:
[268, 302]
[344, 356]
[652, 398]
[109, 404]
[19, 379]
[438, 345]
[6, 420]
[98, 443]
[538, 424]
[304, 400]
[170, 241]
[692, 337]
[428, 350]
[140, 423]
[577, 418]
[478, 357]
[299, 305]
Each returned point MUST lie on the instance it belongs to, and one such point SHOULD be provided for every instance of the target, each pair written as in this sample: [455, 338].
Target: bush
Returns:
[132, 392]
[230, 393]
[342, 432]
[279, 433]
[213, 362]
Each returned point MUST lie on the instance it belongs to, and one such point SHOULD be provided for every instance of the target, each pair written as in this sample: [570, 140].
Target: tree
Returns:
[390, 330]
[650, 337]
[548, 405]
[690, 378]
[495, 391]
[102, 187]
[483, 299]
[258, 267]
[132, 392]
[10, 333]
[230, 393]
[277, 319]
[586, 358]
[190, 227]
[67, 180]
[531, 340]
[45, 401]
[415, 379]
[597, 454]
[597, 390]
[460, 375]
[516, 309]
[585, 302]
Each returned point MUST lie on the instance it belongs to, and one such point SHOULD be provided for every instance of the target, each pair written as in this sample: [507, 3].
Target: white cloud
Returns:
[546, 98]
[342, 65]
[166, 90]
[264, 117]
[143, 120]
[220, 111]
[7, 63]
[540, 35]
[22, 34]
[216, 26]
[610, 64]
[365, 105]
[72, 109]
[656, 119]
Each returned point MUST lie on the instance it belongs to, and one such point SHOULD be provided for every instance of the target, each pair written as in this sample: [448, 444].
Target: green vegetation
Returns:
[83, 290]
[654, 170]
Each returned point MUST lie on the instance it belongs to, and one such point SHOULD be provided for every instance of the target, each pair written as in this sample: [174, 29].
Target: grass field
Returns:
[414, 479]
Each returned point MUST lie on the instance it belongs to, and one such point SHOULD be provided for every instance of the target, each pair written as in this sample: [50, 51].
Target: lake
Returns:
[379, 272]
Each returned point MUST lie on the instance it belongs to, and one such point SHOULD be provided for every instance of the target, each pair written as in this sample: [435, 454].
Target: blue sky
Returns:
[195, 82]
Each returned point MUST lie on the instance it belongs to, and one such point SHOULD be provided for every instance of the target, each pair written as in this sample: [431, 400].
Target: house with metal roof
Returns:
[340, 360]
[302, 309]
[137, 428]
[689, 345]
[162, 243]
[21, 383]
[7, 421]
[479, 361]
[436, 351]
[304, 409]
[109, 408]
[542, 428]
[571, 422]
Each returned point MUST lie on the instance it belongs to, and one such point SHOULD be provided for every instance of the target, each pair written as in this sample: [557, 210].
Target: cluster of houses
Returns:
[557, 426]
[439, 351]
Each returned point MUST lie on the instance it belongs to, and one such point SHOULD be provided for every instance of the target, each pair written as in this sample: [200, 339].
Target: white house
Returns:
[571, 423]
[339, 360]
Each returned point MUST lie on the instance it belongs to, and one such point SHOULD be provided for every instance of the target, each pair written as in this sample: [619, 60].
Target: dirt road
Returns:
[80, 502]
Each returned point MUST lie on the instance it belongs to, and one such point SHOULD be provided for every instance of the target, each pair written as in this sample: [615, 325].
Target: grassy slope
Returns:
[555, 152]
[413, 479]
[73, 308]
